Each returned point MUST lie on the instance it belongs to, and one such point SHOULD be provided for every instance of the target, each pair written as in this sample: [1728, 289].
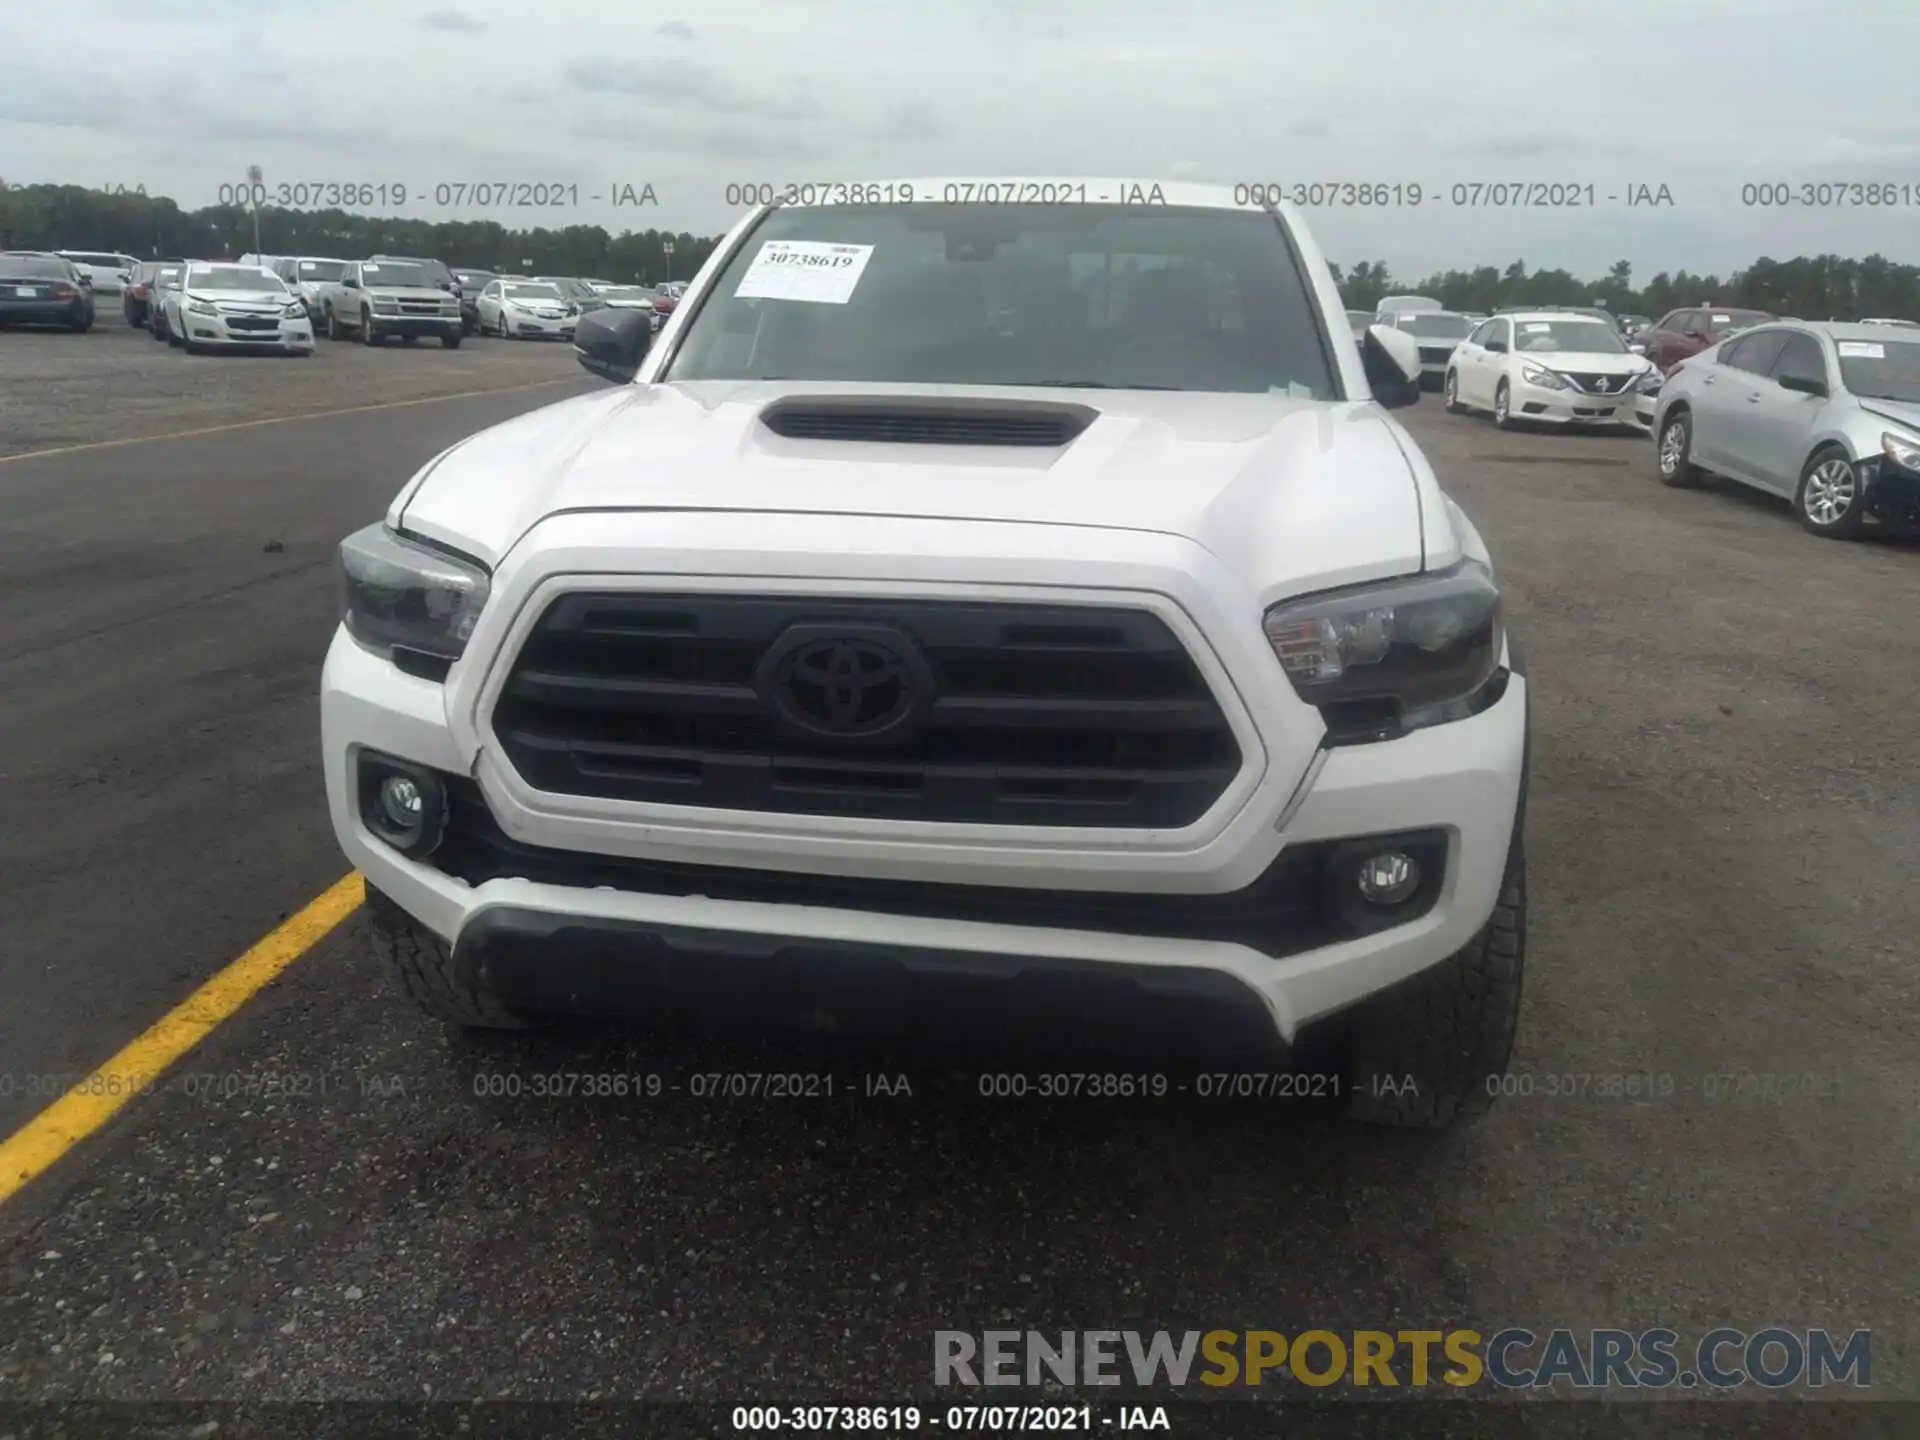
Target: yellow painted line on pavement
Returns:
[138, 1068]
[282, 420]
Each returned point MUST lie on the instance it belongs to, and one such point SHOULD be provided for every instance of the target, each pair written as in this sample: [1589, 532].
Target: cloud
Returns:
[454, 22]
[721, 141]
[1312, 128]
[685, 87]
[913, 122]
[676, 30]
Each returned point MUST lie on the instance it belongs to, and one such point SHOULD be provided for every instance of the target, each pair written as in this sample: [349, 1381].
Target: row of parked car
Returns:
[1825, 414]
[284, 302]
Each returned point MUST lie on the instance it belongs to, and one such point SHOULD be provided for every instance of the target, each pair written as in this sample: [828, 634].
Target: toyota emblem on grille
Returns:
[857, 683]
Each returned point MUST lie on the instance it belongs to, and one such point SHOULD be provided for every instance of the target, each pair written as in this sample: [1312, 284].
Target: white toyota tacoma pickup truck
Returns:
[959, 607]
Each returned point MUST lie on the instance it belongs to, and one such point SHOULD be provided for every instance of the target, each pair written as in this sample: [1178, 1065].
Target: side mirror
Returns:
[347, 282]
[1495, 347]
[1695, 334]
[1391, 359]
[612, 343]
[1804, 385]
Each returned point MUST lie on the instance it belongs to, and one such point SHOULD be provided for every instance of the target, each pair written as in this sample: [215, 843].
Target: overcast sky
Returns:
[1701, 96]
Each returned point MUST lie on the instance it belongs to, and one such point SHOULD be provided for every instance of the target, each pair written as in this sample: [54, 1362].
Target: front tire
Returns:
[1503, 406]
[1830, 500]
[368, 335]
[450, 340]
[335, 330]
[1450, 393]
[1673, 455]
[1429, 1052]
[424, 965]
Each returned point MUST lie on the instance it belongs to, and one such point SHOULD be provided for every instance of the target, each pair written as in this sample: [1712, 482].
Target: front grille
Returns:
[1434, 354]
[1011, 714]
[1590, 382]
[420, 307]
[1285, 911]
[252, 322]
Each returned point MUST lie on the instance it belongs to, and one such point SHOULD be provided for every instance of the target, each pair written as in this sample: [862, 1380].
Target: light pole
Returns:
[666, 248]
[254, 176]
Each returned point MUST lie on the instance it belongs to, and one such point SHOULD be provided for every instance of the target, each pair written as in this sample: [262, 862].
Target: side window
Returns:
[1482, 333]
[1801, 359]
[492, 292]
[1755, 353]
[1502, 334]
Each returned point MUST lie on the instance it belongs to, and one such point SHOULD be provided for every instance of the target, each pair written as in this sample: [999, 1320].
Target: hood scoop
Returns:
[928, 420]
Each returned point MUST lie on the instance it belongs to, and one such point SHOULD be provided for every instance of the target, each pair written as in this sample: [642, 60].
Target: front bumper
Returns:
[213, 330]
[577, 904]
[443, 324]
[1536, 403]
[519, 324]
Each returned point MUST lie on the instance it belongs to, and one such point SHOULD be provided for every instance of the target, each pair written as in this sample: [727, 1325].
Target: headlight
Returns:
[1902, 450]
[296, 310]
[1389, 657]
[202, 307]
[402, 596]
[1545, 379]
[1649, 383]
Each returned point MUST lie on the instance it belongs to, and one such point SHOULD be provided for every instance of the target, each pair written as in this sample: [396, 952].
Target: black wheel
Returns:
[1673, 455]
[450, 339]
[1450, 393]
[1831, 501]
[335, 331]
[174, 338]
[425, 966]
[1503, 406]
[368, 335]
[80, 323]
[1430, 1051]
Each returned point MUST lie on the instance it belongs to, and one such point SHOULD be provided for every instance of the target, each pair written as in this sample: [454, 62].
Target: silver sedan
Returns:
[1825, 415]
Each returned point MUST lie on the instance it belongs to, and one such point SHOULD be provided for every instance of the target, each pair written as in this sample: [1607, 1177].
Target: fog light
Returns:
[400, 801]
[1388, 878]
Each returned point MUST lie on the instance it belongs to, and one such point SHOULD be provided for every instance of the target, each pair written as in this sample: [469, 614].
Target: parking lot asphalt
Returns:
[114, 382]
[1721, 844]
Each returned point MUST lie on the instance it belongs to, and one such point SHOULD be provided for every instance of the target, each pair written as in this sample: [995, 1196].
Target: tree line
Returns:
[1816, 287]
[72, 217]
[1808, 287]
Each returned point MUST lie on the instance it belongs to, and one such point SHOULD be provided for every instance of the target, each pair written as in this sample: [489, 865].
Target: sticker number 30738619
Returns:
[812, 270]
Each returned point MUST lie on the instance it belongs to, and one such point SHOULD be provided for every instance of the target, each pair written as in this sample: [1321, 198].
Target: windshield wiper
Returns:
[1083, 385]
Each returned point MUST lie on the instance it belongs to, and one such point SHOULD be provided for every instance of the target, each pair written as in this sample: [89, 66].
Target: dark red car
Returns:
[1682, 333]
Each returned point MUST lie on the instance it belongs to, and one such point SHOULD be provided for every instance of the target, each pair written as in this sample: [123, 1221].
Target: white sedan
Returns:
[1549, 366]
[236, 307]
[526, 309]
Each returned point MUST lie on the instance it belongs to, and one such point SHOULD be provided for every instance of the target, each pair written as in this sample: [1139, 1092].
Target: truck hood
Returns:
[1257, 479]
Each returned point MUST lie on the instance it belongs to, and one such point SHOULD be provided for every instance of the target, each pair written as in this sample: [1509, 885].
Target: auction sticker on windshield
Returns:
[811, 270]
[1862, 350]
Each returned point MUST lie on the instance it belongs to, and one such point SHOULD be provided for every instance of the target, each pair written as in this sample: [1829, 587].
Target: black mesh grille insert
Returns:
[1025, 714]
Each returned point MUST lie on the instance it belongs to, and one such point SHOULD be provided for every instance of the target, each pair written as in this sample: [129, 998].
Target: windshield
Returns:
[1440, 327]
[1587, 336]
[167, 275]
[626, 292]
[32, 267]
[87, 257]
[1725, 322]
[233, 277]
[530, 292]
[322, 269]
[1105, 296]
[475, 277]
[1881, 369]
[402, 272]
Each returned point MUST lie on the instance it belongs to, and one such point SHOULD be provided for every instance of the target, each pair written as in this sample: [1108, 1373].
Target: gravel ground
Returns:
[1721, 844]
[117, 383]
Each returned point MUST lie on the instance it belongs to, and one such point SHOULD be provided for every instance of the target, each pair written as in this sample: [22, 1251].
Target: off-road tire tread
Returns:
[424, 964]
[1450, 1027]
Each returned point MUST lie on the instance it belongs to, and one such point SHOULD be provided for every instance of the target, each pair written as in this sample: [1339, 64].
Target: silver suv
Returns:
[1824, 415]
[380, 297]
